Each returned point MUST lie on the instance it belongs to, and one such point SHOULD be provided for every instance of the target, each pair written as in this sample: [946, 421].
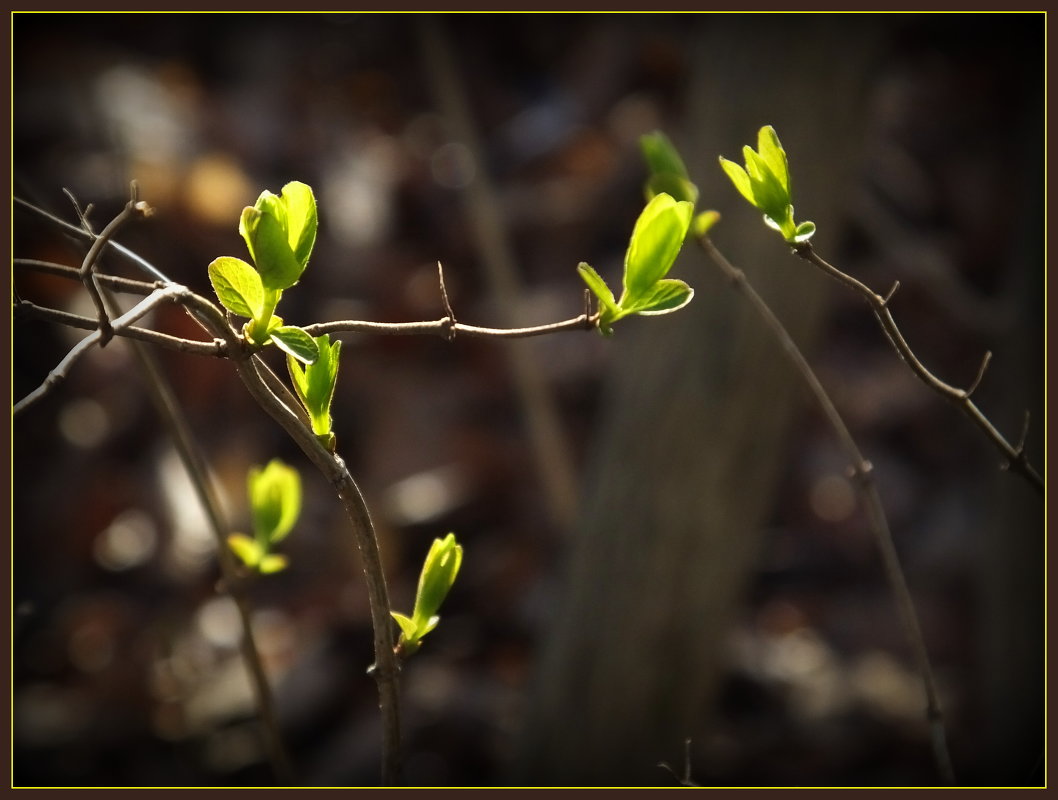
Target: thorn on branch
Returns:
[889, 296]
[980, 374]
[450, 320]
[1019, 448]
[589, 322]
[1024, 434]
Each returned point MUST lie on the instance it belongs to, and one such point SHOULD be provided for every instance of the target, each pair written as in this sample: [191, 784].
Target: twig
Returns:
[1016, 460]
[173, 418]
[386, 669]
[878, 523]
[27, 310]
[133, 208]
[171, 292]
[125, 252]
[451, 334]
[685, 778]
[550, 445]
[447, 329]
[110, 281]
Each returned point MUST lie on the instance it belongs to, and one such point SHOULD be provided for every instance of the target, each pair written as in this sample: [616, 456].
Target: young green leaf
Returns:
[664, 297]
[267, 239]
[804, 231]
[301, 219]
[661, 155]
[739, 177]
[275, 501]
[295, 342]
[248, 551]
[765, 183]
[668, 183]
[238, 286]
[439, 572]
[607, 302]
[656, 240]
[273, 562]
[704, 223]
[407, 627]
[774, 157]
[314, 384]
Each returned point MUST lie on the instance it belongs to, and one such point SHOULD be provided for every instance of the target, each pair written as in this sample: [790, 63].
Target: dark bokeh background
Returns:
[126, 668]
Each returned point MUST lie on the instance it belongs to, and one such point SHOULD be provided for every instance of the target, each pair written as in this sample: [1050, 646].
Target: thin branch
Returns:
[133, 208]
[685, 778]
[385, 670]
[1016, 460]
[27, 310]
[549, 442]
[175, 421]
[127, 285]
[878, 523]
[58, 374]
[125, 252]
[445, 328]
[451, 334]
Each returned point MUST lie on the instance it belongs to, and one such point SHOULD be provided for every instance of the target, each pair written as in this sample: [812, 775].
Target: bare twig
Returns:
[864, 481]
[169, 293]
[685, 778]
[550, 444]
[445, 328]
[127, 285]
[173, 418]
[133, 208]
[125, 252]
[27, 310]
[1016, 460]
[451, 334]
[386, 669]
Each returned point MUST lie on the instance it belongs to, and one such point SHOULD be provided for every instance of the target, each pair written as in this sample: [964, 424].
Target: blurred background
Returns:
[660, 540]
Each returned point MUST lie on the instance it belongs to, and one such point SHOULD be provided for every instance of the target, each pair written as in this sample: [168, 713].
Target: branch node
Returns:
[860, 471]
[82, 214]
[450, 319]
[980, 374]
[1020, 449]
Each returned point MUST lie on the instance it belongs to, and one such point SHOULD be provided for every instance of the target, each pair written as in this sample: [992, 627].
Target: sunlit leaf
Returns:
[663, 297]
[275, 500]
[238, 286]
[656, 240]
[295, 342]
[249, 551]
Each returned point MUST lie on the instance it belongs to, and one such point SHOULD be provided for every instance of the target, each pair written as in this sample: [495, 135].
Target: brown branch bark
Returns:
[1016, 460]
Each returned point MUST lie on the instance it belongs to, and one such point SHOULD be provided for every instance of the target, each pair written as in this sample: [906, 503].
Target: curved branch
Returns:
[864, 481]
[171, 292]
[1016, 460]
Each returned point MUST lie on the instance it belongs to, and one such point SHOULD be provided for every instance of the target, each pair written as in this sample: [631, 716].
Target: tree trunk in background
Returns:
[696, 413]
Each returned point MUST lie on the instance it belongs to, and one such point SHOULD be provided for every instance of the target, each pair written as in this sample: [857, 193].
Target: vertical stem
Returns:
[878, 523]
[385, 669]
[554, 461]
[175, 421]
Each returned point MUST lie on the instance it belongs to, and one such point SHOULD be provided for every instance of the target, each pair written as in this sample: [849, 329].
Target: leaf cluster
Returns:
[275, 505]
[280, 231]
